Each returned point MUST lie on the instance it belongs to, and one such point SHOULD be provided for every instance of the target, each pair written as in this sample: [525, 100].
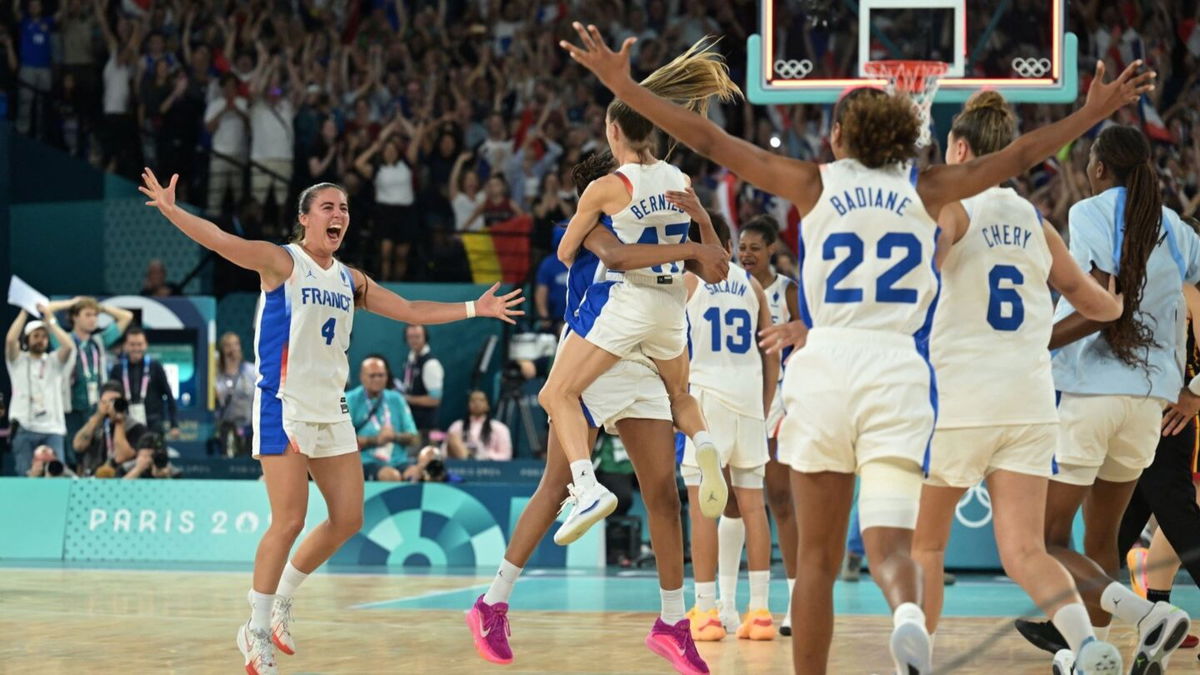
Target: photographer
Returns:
[110, 436]
[37, 377]
[152, 460]
[47, 465]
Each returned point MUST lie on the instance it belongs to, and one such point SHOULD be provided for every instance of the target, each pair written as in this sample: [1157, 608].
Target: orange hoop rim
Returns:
[908, 76]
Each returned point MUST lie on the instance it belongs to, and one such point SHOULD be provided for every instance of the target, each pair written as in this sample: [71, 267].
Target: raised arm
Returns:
[945, 183]
[1085, 294]
[12, 340]
[272, 263]
[66, 346]
[379, 300]
[797, 181]
[770, 360]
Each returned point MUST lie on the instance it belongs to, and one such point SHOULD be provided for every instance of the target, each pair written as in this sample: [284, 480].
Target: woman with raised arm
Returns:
[301, 422]
[860, 396]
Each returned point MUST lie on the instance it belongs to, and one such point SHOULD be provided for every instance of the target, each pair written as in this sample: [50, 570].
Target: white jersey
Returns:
[650, 218]
[723, 321]
[990, 335]
[867, 252]
[777, 299]
[302, 334]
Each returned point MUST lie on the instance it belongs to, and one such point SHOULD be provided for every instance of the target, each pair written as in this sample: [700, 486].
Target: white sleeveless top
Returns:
[866, 252]
[302, 332]
[650, 218]
[722, 340]
[992, 329]
[394, 184]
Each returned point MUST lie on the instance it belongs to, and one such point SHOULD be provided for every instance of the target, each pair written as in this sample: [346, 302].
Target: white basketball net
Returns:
[918, 80]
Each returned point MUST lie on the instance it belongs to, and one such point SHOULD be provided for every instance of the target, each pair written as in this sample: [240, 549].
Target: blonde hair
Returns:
[986, 123]
[690, 79]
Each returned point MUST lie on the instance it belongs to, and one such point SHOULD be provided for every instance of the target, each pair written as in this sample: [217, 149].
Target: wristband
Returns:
[1194, 385]
[470, 309]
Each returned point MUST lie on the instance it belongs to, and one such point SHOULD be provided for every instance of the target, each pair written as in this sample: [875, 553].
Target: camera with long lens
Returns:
[120, 405]
[158, 447]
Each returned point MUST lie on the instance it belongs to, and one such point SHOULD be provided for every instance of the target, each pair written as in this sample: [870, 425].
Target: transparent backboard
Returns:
[810, 51]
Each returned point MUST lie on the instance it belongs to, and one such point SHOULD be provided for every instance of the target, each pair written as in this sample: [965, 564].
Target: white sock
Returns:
[787, 618]
[908, 612]
[502, 584]
[1073, 622]
[760, 588]
[701, 438]
[1101, 632]
[672, 606]
[706, 595]
[731, 536]
[583, 475]
[260, 610]
[289, 581]
[1124, 603]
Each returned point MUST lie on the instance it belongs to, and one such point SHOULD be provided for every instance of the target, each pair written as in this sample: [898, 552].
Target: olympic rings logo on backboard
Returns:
[791, 69]
[1031, 67]
[978, 493]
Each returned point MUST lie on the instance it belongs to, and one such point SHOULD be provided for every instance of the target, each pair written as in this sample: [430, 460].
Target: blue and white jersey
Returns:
[1088, 366]
[725, 360]
[777, 299]
[866, 252]
[650, 218]
[302, 332]
[994, 318]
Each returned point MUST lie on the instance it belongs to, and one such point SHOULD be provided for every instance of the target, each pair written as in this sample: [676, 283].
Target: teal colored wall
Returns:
[456, 344]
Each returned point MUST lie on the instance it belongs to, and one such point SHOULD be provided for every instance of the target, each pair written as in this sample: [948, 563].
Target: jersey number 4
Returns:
[675, 234]
[327, 329]
[739, 321]
[885, 290]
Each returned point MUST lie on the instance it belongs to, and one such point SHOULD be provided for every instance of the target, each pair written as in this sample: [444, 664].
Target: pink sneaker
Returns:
[489, 627]
[674, 643]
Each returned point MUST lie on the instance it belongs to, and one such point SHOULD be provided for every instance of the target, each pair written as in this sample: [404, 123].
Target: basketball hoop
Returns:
[916, 79]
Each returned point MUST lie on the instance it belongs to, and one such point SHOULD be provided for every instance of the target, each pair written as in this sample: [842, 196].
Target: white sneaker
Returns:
[729, 617]
[1063, 663]
[1095, 658]
[912, 651]
[588, 507]
[281, 623]
[1159, 634]
[785, 626]
[258, 651]
[713, 490]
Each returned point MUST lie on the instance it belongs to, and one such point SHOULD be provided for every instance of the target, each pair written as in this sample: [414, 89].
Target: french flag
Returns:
[1152, 123]
[552, 12]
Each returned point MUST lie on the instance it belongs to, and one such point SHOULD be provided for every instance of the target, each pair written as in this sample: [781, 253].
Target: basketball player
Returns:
[992, 326]
[301, 422]
[758, 241]
[1116, 378]
[860, 396]
[631, 400]
[734, 382]
[638, 307]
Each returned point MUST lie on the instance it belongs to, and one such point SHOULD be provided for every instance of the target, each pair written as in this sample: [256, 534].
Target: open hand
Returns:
[712, 263]
[611, 67]
[1108, 97]
[499, 306]
[161, 197]
[687, 200]
[774, 339]
[1180, 413]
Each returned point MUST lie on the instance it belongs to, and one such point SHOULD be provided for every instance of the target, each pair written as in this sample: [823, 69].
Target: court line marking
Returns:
[424, 596]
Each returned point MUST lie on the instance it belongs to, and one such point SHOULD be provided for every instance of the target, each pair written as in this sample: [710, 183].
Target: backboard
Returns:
[810, 51]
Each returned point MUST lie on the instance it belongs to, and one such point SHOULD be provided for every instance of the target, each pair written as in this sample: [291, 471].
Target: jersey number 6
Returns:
[885, 290]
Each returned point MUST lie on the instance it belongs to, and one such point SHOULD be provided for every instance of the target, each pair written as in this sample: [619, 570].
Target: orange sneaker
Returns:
[1136, 561]
[706, 626]
[758, 625]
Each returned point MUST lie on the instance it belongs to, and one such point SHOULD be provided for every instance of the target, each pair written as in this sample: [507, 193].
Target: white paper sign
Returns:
[25, 296]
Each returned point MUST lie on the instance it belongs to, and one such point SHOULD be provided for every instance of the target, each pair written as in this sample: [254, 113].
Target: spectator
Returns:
[235, 396]
[226, 119]
[497, 206]
[109, 437]
[525, 169]
[47, 465]
[8, 70]
[382, 421]
[155, 284]
[550, 290]
[91, 357]
[144, 384]
[37, 378]
[396, 224]
[272, 136]
[36, 30]
[423, 376]
[554, 206]
[465, 196]
[151, 459]
[478, 436]
[119, 141]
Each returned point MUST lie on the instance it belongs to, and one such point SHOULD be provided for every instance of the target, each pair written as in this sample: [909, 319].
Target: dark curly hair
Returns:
[878, 129]
[594, 166]
[1125, 153]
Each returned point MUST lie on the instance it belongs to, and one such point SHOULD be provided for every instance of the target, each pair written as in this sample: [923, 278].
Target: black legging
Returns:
[1165, 489]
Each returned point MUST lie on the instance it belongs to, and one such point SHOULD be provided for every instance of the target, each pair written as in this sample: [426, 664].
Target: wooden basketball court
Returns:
[62, 620]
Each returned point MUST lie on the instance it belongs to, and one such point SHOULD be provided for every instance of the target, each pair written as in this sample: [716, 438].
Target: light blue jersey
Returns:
[1088, 366]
